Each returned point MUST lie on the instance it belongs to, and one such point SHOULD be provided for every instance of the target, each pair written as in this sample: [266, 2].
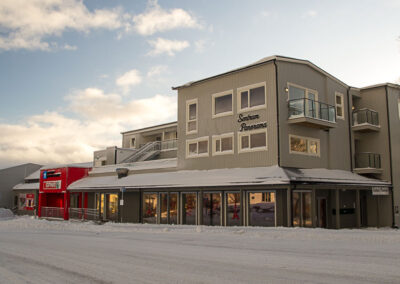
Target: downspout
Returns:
[350, 120]
[277, 112]
[115, 155]
[390, 152]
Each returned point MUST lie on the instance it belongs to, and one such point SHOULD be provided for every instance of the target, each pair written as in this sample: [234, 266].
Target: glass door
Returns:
[322, 213]
[189, 208]
[150, 208]
[301, 208]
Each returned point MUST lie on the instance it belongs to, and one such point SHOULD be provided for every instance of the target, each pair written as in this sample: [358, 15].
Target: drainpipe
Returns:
[390, 153]
[350, 120]
[277, 112]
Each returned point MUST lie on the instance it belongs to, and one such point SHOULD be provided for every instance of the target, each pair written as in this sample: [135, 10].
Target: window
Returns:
[191, 116]
[197, 147]
[304, 145]
[261, 209]
[303, 102]
[222, 104]
[251, 97]
[133, 142]
[252, 140]
[339, 102]
[223, 144]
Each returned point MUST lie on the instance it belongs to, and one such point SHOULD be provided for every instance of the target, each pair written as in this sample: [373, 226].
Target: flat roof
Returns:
[392, 85]
[73, 165]
[151, 128]
[261, 62]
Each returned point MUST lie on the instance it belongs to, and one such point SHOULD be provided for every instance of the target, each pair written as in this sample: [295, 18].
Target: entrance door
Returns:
[322, 212]
[301, 208]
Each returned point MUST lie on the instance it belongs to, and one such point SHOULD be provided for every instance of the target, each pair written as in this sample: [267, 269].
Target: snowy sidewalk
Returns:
[40, 251]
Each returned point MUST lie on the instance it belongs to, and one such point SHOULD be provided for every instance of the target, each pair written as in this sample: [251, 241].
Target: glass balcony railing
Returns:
[311, 109]
[368, 160]
[365, 116]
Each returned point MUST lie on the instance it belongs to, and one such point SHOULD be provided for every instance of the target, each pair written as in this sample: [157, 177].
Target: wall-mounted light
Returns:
[286, 89]
[353, 108]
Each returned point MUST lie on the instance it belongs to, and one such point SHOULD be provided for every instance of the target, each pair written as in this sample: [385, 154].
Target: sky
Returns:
[75, 74]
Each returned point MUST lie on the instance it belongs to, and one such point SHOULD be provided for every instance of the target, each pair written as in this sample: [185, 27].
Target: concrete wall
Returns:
[10, 177]
[209, 126]
[335, 142]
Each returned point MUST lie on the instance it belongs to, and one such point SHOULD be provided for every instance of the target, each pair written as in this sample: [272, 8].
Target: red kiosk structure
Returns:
[54, 197]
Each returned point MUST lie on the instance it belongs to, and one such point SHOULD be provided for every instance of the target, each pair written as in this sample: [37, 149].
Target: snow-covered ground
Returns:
[40, 251]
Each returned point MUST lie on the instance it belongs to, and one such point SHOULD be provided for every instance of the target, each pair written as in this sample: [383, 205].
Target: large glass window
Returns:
[197, 147]
[150, 208]
[212, 209]
[304, 145]
[173, 208]
[163, 208]
[262, 209]
[253, 140]
[252, 97]
[112, 208]
[189, 208]
[222, 104]
[233, 209]
[191, 116]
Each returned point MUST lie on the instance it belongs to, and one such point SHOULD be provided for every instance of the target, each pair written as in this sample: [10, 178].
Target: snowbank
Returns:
[6, 214]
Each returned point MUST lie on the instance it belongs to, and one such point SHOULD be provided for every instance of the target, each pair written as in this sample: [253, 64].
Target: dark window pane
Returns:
[203, 147]
[212, 209]
[262, 212]
[233, 209]
[189, 208]
[296, 93]
[258, 140]
[244, 102]
[226, 144]
[257, 96]
[192, 111]
[223, 104]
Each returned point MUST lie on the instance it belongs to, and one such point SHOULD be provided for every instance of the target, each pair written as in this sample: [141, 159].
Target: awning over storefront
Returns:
[27, 186]
[273, 175]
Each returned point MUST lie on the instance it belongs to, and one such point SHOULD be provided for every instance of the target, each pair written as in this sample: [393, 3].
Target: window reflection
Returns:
[262, 208]
[189, 208]
[233, 209]
[212, 209]
[150, 208]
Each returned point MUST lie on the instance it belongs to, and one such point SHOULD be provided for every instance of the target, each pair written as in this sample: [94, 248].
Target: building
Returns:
[279, 142]
[10, 177]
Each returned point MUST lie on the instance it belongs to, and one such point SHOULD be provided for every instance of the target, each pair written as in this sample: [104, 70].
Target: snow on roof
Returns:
[330, 176]
[204, 178]
[27, 186]
[273, 175]
[137, 166]
[73, 165]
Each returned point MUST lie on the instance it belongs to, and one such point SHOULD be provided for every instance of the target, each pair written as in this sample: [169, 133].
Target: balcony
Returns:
[312, 113]
[368, 163]
[365, 120]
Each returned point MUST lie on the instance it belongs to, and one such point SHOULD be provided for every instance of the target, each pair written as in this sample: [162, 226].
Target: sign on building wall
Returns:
[380, 190]
[244, 126]
[54, 184]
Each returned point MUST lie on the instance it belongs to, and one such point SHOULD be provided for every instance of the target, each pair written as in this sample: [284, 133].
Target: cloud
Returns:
[310, 14]
[128, 80]
[53, 137]
[27, 24]
[155, 19]
[161, 45]
[157, 70]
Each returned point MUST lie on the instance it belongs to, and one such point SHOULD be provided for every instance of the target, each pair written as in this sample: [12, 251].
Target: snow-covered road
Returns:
[39, 251]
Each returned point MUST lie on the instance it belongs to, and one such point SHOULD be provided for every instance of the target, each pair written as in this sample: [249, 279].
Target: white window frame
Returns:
[197, 140]
[217, 95]
[219, 137]
[133, 145]
[337, 94]
[188, 103]
[308, 139]
[247, 88]
[248, 133]
[307, 91]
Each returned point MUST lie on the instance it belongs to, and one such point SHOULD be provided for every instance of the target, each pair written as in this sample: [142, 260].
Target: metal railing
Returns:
[312, 109]
[365, 116]
[52, 212]
[151, 146]
[169, 144]
[368, 160]
[84, 214]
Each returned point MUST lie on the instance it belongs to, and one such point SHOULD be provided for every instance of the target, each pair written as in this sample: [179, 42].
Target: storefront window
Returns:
[262, 209]
[189, 208]
[112, 208]
[233, 209]
[301, 209]
[173, 208]
[150, 208]
[163, 208]
[212, 209]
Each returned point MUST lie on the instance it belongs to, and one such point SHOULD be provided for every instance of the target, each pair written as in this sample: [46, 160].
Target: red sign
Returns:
[51, 184]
